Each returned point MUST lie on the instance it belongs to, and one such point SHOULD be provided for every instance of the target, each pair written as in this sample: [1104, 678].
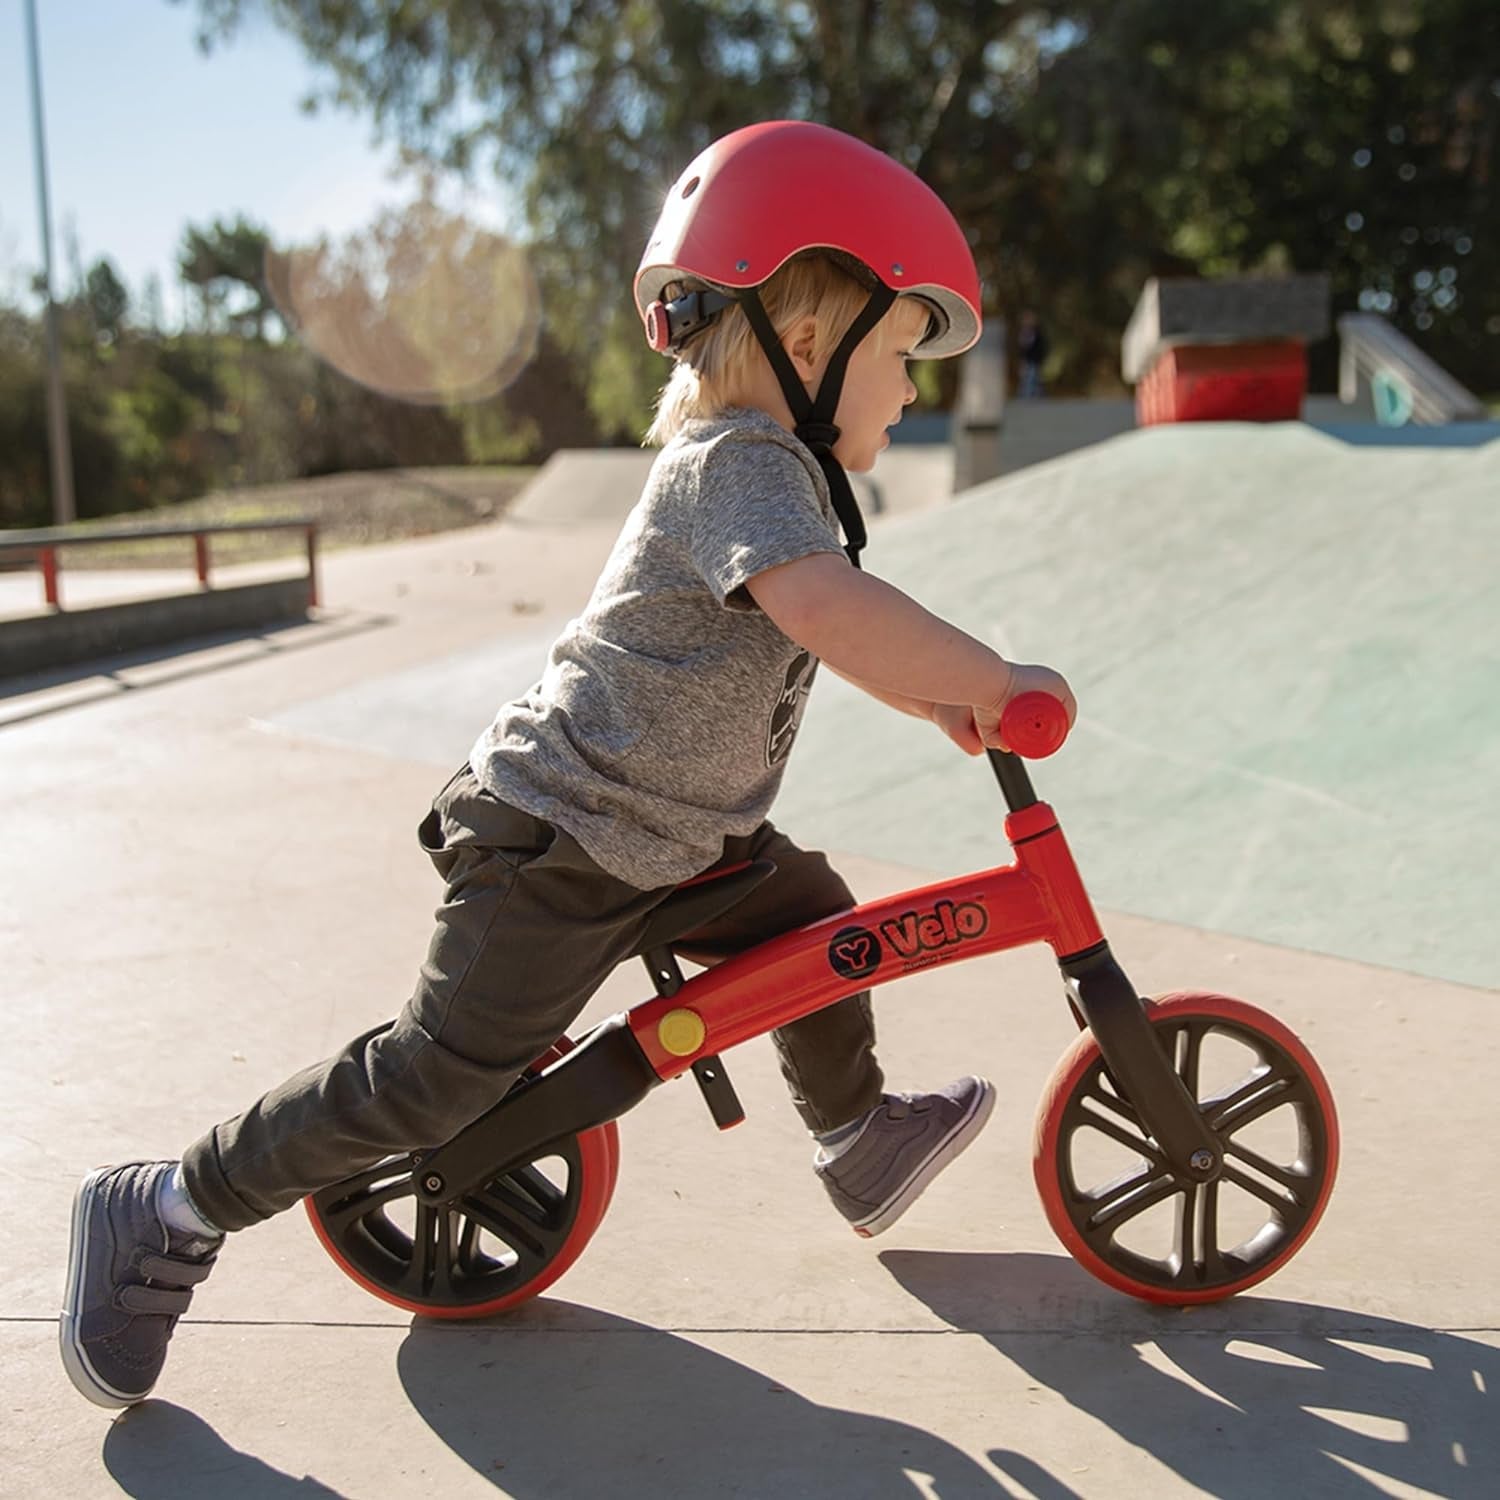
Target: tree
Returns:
[107, 299]
[225, 259]
[1359, 139]
[153, 315]
[1086, 144]
[24, 461]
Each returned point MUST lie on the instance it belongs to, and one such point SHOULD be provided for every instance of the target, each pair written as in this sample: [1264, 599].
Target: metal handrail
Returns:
[1370, 347]
[41, 545]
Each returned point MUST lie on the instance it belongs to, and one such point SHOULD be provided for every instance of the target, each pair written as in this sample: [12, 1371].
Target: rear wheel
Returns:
[1127, 1216]
[483, 1251]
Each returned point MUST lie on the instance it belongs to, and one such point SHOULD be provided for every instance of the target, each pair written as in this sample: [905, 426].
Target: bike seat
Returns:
[697, 902]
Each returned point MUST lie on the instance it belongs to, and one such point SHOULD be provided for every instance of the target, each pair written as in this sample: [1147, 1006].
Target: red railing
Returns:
[43, 546]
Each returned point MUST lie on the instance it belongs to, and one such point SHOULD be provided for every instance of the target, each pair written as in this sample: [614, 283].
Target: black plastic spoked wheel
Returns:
[1127, 1216]
[483, 1251]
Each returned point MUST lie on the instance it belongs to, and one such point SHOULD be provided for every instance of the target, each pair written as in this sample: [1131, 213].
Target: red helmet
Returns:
[761, 195]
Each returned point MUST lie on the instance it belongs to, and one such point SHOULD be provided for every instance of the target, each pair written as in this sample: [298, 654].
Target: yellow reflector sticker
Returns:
[681, 1032]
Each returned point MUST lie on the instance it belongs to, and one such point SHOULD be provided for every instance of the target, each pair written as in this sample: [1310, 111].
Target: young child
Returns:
[792, 274]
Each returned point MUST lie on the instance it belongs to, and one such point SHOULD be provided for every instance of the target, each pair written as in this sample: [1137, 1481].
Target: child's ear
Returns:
[801, 342]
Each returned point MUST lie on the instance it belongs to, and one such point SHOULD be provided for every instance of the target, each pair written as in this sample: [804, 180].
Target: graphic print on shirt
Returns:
[787, 714]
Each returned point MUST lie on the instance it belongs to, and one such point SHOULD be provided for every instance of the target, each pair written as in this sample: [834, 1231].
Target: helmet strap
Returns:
[813, 417]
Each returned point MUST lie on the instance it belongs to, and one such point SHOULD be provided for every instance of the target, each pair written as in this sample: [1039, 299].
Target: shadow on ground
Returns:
[1243, 1399]
[164, 1452]
[106, 677]
[1240, 1400]
[595, 1407]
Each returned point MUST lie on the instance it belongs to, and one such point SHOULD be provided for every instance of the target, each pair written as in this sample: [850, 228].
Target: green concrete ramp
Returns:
[1287, 654]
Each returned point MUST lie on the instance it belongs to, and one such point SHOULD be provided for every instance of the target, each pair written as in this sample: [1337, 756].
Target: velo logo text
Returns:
[913, 934]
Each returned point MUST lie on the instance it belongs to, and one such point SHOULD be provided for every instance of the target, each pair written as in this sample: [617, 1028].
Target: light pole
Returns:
[63, 509]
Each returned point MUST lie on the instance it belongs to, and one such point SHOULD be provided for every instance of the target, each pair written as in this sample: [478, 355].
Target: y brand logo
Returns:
[854, 952]
[914, 933]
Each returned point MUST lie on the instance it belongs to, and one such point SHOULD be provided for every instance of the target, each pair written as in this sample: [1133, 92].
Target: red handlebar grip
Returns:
[1034, 724]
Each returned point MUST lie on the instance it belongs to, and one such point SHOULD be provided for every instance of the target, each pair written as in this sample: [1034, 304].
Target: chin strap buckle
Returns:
[818, 436]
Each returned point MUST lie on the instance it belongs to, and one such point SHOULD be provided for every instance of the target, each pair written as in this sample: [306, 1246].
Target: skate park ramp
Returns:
[1286, 649]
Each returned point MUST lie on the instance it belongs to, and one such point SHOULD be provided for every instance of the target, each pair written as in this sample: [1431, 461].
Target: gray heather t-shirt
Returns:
[663, 720]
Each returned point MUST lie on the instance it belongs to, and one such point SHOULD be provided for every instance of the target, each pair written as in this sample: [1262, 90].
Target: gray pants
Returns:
[528, 930]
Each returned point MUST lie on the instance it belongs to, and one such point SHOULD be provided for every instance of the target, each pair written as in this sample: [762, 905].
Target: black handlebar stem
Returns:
[1015, 782]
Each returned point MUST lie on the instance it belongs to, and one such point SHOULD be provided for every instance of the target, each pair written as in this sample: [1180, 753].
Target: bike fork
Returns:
[1105, 1001]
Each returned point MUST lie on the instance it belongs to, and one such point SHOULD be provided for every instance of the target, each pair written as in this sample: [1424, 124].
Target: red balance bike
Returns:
[1184, 1147]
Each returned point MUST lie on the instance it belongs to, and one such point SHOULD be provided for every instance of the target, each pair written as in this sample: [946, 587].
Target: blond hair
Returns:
[709, 373]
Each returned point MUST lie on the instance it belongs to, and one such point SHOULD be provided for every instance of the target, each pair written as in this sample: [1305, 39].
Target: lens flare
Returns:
[424, 305]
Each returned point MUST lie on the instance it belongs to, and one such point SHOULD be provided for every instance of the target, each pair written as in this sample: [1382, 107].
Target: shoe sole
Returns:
[75, 1359]
[942, 1155]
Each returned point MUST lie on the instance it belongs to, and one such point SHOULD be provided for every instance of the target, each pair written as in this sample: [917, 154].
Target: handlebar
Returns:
[1034, 724]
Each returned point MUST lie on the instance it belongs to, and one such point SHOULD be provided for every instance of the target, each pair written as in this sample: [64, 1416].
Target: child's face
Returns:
[876, 386]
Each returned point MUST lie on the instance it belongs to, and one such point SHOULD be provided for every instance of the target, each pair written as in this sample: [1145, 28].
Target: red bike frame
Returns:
[1040, 898]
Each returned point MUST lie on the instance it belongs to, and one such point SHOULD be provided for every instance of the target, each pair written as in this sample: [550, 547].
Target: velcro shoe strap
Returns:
[172, 1271]
[153, 1299]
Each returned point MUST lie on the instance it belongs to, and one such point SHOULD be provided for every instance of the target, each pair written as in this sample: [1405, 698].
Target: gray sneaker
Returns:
[904, 1143]
[129, 1280]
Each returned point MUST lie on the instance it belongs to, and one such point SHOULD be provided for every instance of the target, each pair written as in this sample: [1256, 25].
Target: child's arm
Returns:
[955, 720]
[878, 637]
[918, 708]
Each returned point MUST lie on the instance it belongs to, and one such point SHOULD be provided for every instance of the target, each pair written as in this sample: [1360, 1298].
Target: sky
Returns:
[145, 134]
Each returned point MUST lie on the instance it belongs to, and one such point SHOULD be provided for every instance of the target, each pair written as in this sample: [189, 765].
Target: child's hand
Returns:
[956, 720]
[1023, 679]
[974, 727]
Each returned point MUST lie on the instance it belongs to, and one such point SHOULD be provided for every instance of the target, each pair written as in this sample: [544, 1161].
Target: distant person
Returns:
[653, 744]
[1032, 346]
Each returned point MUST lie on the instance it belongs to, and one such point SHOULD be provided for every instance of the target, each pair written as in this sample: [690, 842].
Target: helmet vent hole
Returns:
[742, 265]
[690, 187]
[897, 269]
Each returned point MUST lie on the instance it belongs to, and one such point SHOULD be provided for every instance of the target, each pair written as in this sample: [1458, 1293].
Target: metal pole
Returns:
[63, 510]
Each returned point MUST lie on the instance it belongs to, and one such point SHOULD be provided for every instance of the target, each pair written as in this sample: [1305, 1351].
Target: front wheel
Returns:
[484, 1251]
[1128, 1217]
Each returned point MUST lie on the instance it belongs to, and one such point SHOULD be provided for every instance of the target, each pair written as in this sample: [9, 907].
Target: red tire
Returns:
[1084, 1128]
[483, 1252]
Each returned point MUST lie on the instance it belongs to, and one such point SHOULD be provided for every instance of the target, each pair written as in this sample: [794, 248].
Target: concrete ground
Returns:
[209, 878]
